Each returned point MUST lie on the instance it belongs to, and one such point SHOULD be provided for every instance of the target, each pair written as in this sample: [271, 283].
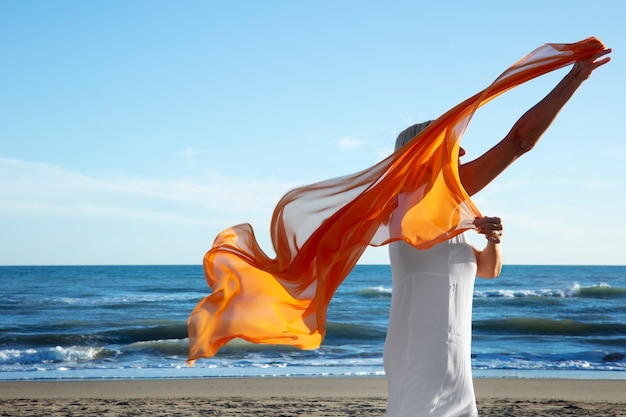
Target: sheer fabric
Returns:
[320, 231]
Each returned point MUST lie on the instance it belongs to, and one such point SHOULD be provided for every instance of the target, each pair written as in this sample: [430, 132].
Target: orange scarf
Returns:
[319, 231]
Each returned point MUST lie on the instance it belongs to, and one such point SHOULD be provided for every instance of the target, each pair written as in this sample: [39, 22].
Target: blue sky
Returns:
[134, 132]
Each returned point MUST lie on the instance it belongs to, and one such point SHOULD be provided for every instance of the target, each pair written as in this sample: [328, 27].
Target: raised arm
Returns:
[525, 133]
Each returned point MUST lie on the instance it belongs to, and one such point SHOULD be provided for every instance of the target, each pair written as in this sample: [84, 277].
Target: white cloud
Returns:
[30, 188]
[616, 153]
[56, 216]
[348, 143]
[189, 154]
[578, 183]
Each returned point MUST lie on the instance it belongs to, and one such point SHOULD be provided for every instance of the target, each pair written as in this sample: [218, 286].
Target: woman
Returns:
[428, 367]
[428, 347]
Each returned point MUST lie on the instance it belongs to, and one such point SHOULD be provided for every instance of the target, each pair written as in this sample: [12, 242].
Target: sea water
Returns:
[129, 322]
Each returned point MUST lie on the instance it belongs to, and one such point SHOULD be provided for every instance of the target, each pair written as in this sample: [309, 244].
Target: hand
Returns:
[491, 227]
[583, 69]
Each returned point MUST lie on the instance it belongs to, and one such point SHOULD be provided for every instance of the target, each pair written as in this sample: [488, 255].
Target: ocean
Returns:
[129, 322]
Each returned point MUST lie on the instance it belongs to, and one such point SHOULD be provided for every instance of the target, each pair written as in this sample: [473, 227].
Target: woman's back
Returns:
[428, 346]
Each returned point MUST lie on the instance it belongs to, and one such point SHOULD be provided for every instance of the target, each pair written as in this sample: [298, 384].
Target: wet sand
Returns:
[274, 397]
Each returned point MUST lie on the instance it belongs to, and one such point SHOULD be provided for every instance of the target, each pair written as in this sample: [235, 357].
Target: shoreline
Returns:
[302, 396]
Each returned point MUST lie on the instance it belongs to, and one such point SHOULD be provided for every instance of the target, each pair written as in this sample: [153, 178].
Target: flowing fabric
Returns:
[319, 231]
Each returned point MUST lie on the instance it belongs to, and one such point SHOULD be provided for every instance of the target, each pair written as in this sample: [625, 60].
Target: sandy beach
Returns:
[295, 397]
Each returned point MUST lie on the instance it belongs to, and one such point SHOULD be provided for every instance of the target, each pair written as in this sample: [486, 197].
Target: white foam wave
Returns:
[381, 289]
[58, 354]
[573, 291]
[110, 300]
[376, 291]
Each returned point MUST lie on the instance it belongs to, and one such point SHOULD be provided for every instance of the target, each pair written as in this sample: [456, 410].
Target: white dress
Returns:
[427, 353]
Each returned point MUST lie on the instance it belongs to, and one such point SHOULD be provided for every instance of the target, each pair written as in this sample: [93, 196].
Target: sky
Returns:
[134, 132]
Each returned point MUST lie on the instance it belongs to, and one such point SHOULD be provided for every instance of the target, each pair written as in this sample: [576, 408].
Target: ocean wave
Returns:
[602, 290]
[542, 326]
[57, 354]
[375, 292]
[346, 332]
[66, 334]
[168, 347]
[585, 360]
[148, 333]
[49, 338]
[170, 337]
[98, 300]
[249, 359]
